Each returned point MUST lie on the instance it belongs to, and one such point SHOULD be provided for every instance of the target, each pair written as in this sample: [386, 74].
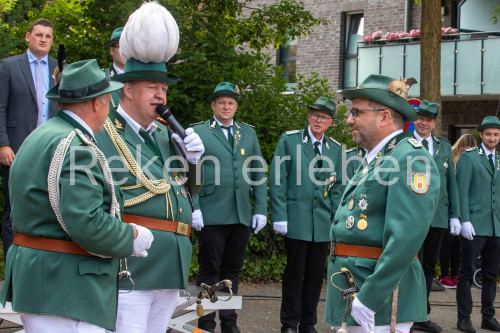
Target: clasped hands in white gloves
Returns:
[142, 242]
[258, 222]
[281, 227]
[191, 145]
[197, 222]
[468, 230]
[363, 315]
[455, 226]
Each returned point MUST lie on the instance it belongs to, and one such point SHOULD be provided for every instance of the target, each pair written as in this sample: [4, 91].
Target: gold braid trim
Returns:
[154, 187]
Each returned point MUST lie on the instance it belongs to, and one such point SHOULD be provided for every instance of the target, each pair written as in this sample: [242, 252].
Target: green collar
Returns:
[75, 124]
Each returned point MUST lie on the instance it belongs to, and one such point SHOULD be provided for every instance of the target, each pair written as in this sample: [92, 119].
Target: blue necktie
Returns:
[39, 92]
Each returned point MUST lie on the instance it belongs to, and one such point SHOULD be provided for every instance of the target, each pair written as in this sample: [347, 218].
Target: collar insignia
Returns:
[118, 125]
[480, 151]
[212, 125]
[414, 142]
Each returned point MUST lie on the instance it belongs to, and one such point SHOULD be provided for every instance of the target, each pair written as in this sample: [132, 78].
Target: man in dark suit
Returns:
[26, 78]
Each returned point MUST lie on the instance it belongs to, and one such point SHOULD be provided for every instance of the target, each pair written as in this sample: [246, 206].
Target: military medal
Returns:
[184, 192]
[446, 165]
[363, 204]
[325, 194]
[349, 222]
[178, 180]
[363, 223]
[242, 151]
[351, 202]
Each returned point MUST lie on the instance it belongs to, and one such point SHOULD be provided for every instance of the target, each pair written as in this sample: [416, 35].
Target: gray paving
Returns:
[261, 308]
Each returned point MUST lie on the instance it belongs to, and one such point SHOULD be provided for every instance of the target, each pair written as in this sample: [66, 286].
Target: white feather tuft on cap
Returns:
[150, 35]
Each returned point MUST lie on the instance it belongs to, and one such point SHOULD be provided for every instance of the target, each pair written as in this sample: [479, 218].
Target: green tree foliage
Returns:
[221, 40]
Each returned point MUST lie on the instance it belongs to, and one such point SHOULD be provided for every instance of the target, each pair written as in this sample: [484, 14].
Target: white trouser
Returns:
[35, 323]
[400, 328]
[145, 311]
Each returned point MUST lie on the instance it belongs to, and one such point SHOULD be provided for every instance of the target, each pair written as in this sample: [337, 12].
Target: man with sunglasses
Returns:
[383, 216]
[305, 192]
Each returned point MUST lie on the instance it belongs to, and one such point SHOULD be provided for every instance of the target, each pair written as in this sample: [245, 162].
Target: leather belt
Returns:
[50, 244]
[158, 224]
[348, 250]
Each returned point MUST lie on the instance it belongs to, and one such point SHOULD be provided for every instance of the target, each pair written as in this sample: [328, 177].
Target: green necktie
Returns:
[319, 163]
[149, 142]
[230, 137]
[490, 158]
[425, 143]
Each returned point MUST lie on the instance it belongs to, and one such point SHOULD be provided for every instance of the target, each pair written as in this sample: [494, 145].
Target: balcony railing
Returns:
[470, 63]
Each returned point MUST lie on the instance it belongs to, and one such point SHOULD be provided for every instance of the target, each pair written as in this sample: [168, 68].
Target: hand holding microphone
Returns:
[188, 140]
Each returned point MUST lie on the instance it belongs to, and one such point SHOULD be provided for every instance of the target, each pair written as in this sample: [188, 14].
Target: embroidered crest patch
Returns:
[420, 182]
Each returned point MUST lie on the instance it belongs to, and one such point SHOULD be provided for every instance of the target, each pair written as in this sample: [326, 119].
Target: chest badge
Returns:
[349, 222]
[363, 204]
[363, 223]
[184, 192]
[351, 202]
[242, 151]
[446, 165]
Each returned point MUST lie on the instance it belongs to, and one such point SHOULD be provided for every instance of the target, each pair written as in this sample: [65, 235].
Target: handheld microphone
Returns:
[166, 114]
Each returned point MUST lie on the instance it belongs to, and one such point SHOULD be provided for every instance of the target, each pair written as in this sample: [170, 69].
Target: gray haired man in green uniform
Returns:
[376, 233]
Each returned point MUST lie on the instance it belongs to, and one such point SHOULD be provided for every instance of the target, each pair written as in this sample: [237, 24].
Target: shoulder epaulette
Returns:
[198, 123]
[162, 121]
[350, 150]
[414, 142]
[443, 139]
[252, 126]
[335, 141]
[292, 132]
[471, 149]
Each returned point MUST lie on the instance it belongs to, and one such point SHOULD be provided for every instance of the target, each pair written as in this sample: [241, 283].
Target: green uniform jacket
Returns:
[115, 95]
[393, 217]
[353, 158]
[448, 203]
[169, 258]
[225, 195]
[54, 283]
[307, 207]
[479, 189]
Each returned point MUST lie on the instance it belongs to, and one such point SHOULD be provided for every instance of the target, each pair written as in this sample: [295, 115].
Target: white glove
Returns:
[142, 242]
[363, 315]
[468, 231]
[280, 227]
[197, 220]
[258, 222]
[455, 226]
[192, 145]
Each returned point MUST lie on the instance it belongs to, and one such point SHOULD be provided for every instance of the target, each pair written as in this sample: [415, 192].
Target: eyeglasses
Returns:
[321, 119]
[354, 111]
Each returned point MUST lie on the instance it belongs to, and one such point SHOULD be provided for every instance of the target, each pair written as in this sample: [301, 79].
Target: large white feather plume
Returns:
[150, 35]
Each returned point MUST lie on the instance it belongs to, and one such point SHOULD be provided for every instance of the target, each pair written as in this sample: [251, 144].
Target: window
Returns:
[353, 35]
[288, 61]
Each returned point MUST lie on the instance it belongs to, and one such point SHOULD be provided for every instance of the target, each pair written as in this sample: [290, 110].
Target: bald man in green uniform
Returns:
[305, 192]
[376, 232]
[234, 172]
[478, 177]
[448, 209]
[62, 271]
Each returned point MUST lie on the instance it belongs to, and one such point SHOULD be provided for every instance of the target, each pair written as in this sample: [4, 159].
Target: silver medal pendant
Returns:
[349, 222]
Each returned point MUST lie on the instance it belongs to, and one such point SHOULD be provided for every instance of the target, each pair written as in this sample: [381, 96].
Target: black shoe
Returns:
[307, 330]
[232, 329]
[490, 324]
[426, 326]
[288, 330]
[465, 325]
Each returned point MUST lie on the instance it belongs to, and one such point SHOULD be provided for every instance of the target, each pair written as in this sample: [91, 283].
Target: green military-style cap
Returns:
[428, 109]
[82, 81]
[489, 122]
[136, 70]
[386, 91]
[225, 89]
[326, 105]
[115, 38]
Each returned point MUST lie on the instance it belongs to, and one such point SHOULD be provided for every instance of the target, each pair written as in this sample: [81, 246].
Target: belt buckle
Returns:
[182, 228]
[332, 251]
